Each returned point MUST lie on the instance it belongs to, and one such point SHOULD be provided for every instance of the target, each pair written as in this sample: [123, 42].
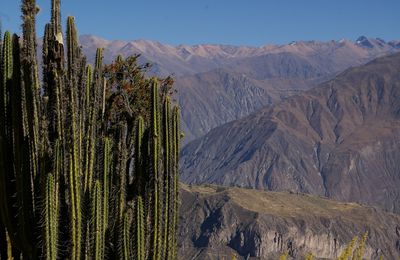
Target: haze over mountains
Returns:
[340, 140]
[220, 83]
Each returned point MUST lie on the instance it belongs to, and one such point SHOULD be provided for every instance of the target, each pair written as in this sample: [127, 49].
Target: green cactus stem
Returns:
[126, 236]
[5, 178]
[51, 218]
[156, 215]
[139, 240]
[176, 148]
[98, 221]
[166, 175]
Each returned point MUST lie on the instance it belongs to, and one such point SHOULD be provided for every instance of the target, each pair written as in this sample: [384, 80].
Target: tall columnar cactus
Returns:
[88, 156]
[32, 91]
[167, 173]
[6, 76]
[6, 188]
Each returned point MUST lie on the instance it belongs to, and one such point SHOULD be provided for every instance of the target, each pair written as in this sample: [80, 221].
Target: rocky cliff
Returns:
[217, 223]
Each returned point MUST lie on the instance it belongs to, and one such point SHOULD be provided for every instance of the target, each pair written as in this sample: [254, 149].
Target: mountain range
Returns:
[220, 83]
[296, 121]
[339, 140]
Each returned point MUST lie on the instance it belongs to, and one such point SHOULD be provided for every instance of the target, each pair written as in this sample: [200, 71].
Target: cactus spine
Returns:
[88, 156]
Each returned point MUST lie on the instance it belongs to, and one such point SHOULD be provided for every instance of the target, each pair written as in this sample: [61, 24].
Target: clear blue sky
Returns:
[238, 22]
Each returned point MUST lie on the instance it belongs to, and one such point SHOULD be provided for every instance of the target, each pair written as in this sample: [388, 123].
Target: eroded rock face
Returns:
[340, 140]
[221, 222]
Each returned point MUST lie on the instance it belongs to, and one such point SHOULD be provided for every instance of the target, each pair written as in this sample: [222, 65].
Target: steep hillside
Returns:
[217, 223]
[212, 98]
[339, 140]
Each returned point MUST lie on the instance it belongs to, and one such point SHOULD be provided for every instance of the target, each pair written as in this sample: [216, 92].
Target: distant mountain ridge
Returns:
[340, 139]
[190, 59]
[220, 83]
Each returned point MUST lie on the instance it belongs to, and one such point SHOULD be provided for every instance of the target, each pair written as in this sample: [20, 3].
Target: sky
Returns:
[236, 22]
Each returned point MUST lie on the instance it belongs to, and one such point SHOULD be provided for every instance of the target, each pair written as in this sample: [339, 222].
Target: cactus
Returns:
[174, 196]
[106, 184]
[126, 245]
[139, 153]
[89, 129]
[348, 252]
[51, 218]
[155, 167]
[359, 252]
[32, 89]
[97, 230]
[167, 173]
[5, 178]
[73, 141]
[138, 240]
[88, 158]
[283, 256]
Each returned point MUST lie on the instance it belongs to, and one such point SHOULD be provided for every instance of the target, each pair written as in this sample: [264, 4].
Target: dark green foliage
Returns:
[88, 156]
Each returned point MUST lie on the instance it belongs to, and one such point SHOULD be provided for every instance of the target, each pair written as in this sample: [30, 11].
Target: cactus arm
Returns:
[126, 236]
[106, 188]
[51, 218]
[177, 137]
[155, 171]
[139, 239]
[90, 137]
[98, 222]
[166, 174]
[5, 178]
[31, 82]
